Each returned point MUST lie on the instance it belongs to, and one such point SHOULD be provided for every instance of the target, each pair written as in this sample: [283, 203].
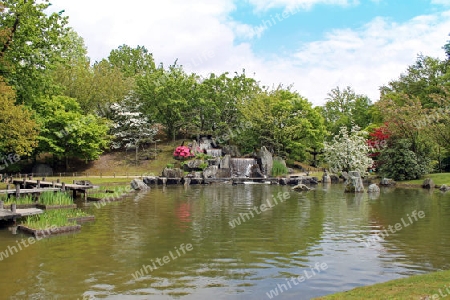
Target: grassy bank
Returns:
[438, 178]
[414, 287]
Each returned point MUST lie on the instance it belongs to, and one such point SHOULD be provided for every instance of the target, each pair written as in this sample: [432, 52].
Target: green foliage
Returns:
[132, 62]
[346, 108]
[67, 132]
[49, 219]
[31, 43]
[203, 165]
[55, 198]
[278, 168]
[18, 128]
[203, 156]
[114, 192]
[170, 166]
[399, 162]
[283, 121]
[23, 200]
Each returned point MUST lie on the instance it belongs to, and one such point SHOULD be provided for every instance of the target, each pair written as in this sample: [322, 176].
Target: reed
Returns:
[48, 219]
[27, 199]
[52, 198]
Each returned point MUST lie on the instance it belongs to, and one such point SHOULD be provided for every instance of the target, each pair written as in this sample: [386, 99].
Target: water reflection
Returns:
[245, 262]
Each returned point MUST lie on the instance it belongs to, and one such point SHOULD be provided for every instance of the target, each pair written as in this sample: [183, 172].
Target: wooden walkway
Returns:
[6, 214]
[42, 186]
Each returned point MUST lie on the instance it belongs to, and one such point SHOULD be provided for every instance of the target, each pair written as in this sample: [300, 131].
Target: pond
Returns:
[181, 242]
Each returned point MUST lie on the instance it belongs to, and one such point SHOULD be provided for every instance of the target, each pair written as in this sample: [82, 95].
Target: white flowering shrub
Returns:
[348, 151]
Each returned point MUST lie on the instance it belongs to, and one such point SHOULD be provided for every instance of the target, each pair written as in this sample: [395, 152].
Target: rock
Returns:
[210, 172]
[444, 188]
[225, 162]
[172, 173]
[387, 182]
[139, 185]
[232, 150]
[194, 164]
[265, 161]
[344, 175]
[314, 180]
[354, 183]
[301, 187]
[290, 171]
[334, 178]
[255, 172]
[283, 181]
[428, 184]
[150, 180]
[373, 188]
[326, 178]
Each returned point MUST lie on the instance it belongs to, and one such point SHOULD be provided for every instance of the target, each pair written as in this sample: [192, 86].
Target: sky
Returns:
[313, 45]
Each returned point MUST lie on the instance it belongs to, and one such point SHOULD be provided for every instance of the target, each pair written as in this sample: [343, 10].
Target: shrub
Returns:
[278, 168]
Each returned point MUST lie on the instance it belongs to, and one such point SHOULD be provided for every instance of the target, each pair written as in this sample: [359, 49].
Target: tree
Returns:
[130, 128]
[31, 42]
[345, 108]
[68, 133]
[399, 162]
[165, 96]
[283, 121]
[348, 151]
[132, 62]
[18, 129]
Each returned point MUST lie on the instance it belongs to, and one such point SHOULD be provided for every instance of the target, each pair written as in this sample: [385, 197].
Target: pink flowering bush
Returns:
[182, 152]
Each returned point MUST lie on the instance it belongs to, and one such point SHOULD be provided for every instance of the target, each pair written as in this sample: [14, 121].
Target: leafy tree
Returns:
[18, 129]
[165, 96]
[31, 42]
[345, 108]
[283, 121]
[132, 61]
[68, 133]
[422, 80]
[348, 151]
[399, 162]
[130, 128]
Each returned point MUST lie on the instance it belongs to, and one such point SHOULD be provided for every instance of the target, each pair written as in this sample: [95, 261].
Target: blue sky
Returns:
[315, 46]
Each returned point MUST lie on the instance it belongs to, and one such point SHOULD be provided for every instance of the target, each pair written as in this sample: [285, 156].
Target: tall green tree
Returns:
[346, 108]
[283, 121]
[31, 42]
[18, 128]
[132, 61]
[66, 132]
[165, 96]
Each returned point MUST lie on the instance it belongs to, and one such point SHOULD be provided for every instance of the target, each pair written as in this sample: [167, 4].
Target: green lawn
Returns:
[438, 178]
[414, 287]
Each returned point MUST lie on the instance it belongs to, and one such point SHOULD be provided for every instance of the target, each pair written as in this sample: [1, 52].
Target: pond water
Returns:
[181, 243]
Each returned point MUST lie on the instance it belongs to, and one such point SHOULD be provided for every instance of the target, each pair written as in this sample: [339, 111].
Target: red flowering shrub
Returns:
[182, 152]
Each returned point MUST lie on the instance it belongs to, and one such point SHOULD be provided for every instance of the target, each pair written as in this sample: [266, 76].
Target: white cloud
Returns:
[203, 37]
[441, 2]
[262, 5]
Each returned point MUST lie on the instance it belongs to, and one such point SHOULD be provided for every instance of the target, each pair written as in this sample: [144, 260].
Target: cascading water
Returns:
[214, 152]
[242, 167]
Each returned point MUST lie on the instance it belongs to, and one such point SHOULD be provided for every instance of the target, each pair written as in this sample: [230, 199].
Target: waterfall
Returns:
[241, 167]
[214, 152]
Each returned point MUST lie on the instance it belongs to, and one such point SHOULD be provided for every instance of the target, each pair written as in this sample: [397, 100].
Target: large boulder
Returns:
[428, 184]
[444, 188]
[354, 183]
[265, 160]
[172, 173]
[326, 178]
[194, 164]
[387, 182]
[334, 178]
[373, 188]
[139, 185]
[210, 172]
